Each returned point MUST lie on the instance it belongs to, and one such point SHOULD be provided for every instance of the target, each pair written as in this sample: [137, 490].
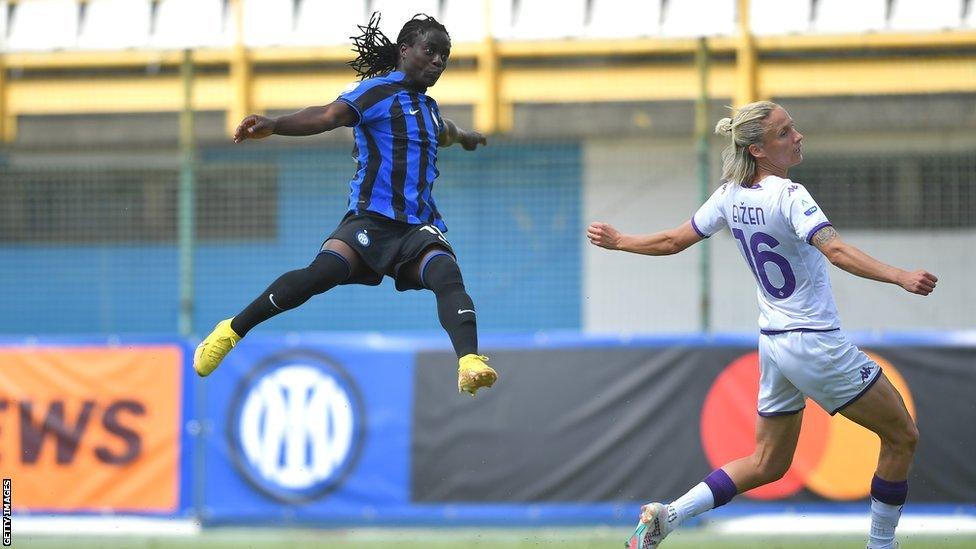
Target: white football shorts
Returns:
[824, 366]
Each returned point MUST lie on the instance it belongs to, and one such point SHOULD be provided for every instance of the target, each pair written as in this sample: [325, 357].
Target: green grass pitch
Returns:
[486, 538]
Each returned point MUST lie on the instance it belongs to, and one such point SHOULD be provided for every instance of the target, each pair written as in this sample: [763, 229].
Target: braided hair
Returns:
[376, 55]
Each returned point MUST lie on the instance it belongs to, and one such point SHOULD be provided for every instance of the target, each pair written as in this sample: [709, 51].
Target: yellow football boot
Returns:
[214, 348]
[474, 374]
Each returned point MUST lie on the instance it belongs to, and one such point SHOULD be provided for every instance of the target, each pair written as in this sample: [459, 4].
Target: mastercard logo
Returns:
[835, 458]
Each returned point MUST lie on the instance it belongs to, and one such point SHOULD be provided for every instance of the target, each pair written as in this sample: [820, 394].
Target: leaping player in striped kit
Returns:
[392, 226]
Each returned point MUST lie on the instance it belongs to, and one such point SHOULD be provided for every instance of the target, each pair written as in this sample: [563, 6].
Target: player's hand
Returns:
[254, 127]
[603, 235]
[918, 282]
[471, 140]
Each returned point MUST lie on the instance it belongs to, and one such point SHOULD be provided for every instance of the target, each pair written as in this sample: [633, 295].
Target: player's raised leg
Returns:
[438, 270]
[333, 265]
[882, 410]
[776, 439]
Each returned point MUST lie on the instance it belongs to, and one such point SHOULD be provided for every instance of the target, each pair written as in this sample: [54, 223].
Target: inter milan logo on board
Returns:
[296, 426]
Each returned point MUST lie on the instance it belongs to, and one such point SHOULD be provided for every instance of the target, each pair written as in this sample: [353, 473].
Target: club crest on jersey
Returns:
[362, 238]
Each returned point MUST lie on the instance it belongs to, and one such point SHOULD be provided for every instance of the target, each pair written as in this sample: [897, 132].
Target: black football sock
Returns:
[454, 306]
[292, 289]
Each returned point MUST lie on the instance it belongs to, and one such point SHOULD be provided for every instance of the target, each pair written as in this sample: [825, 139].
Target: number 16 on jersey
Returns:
[758, 259]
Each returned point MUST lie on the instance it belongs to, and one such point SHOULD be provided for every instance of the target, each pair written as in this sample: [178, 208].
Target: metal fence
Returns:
[93, 248]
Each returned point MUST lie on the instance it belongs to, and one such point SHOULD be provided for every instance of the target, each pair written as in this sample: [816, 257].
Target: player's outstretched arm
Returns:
[451, 134]
[667, 242]
[858, 263]
[308, 121]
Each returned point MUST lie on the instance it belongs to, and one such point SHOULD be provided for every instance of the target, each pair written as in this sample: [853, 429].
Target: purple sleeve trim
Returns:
[814, 230]
[359, 115]
[877, 375]
[775, 414]
[697, 230]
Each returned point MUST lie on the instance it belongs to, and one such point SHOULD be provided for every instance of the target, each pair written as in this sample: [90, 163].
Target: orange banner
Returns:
[91, 428]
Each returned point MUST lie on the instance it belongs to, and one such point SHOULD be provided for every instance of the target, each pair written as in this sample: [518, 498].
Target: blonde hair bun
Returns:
[724, 127]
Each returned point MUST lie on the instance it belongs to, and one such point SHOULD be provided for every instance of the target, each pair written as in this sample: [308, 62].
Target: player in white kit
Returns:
[785, 237]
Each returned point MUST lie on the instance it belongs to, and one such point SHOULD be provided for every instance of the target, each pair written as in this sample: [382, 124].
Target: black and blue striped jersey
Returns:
[396, 150]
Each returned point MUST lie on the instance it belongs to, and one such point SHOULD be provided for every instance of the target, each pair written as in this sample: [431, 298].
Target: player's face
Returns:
[782, 146]
[426, 59]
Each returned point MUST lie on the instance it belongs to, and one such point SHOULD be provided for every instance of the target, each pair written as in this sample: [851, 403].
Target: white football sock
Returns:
[698, 500]
[884, 520]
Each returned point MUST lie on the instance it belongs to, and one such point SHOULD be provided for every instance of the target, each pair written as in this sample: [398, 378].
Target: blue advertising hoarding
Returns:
[367, 429]
[306, 429]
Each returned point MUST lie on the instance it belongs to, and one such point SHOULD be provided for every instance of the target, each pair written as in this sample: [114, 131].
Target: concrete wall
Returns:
[639, 186]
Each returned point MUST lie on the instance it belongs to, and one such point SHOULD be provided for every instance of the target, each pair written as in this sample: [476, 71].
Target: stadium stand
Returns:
[780, 16]
[50, 25]
[914, 15]
[643, 19]
[468, 25]
[322, 22]
[3, 25]
[267, 22]
[397, 12]
[549, 19]
[464, 23]
[43, 25]
[842, 16]
[191, 23]
[101, 29]
[699, 18]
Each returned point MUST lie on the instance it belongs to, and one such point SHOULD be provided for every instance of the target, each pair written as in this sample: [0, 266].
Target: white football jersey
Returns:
[773, 222]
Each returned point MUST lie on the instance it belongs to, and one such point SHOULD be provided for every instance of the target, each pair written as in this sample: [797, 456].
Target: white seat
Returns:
[268, 22]
[465, 19]
[328, 22]
[780, 16]
[699, 18]
[845, 16]
[623, 19]
[915, 15]
[115, 24]
[43, 25]
[3, 25]
[191, 23]
[397, 12]
[548, 19]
